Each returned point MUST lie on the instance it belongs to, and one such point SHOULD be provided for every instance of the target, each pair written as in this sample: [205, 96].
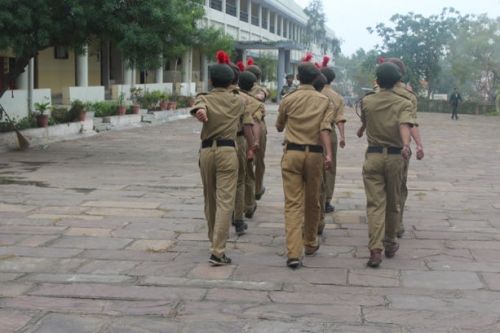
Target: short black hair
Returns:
[221, 75]
[387, 75]
[320, 82]
[329, 73]
[307, 73]
[247, 80]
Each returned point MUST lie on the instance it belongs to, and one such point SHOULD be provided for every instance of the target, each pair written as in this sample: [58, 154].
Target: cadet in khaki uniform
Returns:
[254, 108]
[401, 89]
[221, 112]
[387, 118]
[339, 120]
[244, 153]
[262, 94]
[306, 114]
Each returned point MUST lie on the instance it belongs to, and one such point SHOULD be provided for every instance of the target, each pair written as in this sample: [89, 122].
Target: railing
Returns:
[255, 20]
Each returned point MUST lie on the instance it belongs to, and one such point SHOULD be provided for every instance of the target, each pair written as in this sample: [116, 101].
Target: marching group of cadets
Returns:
[234, 143]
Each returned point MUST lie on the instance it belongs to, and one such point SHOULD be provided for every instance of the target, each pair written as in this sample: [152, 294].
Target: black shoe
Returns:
[293, 263]
[401, 232]
[240, 227]
[260, 194]
[215, 261]
[321, 228]
[310, 251]
[329, 208]
[249, 214]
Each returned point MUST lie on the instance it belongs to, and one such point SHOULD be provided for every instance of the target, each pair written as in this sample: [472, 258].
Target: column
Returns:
[287, 61]
[22, 81]
[282, 26]
[82, 68]
[269, 19]
[204, 71]
[187, 69]
[159, 72]
[275, 23]
[281, 71]
[105, 66]
[127, 73]
[244, 54]
[260, 18]
[238, 9]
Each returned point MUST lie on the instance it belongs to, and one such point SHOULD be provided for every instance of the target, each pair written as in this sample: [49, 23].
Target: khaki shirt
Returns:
[257, 89]
[400, 89]
[305, 112]
[338, 103]
[383, 113]
[253, 105]
[225, 110]
[288, 89]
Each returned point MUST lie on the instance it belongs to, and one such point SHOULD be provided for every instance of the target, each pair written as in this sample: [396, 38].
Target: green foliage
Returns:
[421, 43]
[60, 115]
[467, 107]
[316, 29]
[150, 99]
[211, 39]
[104, 109]
[135, 94]
[41, 107]
[26, 122]
[76, 108]
[141, 30]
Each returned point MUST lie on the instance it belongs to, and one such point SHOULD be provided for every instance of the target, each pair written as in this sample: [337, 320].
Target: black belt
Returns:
[312, 148]
[220, 143]
[240, 133]
[390, 150]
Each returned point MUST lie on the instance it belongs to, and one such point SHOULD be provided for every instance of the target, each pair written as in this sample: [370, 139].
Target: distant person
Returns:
[289, 87]
[455, 99]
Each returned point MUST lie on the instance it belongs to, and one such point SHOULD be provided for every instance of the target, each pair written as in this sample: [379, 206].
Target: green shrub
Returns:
[467, 107]
[104, 109]
[26, 122]
[60, 115]
[150, 99]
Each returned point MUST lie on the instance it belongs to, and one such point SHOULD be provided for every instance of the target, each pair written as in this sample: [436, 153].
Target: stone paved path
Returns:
[107, 235]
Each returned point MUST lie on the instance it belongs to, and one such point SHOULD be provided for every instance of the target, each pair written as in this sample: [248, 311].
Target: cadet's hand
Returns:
[201, 115]
[406, 152]
[342, 142]
[420, 152]
[250, 154]
[328, 162]
[360, 132]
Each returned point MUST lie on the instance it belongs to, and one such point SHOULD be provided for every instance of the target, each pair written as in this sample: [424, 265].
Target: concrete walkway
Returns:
[107, 234]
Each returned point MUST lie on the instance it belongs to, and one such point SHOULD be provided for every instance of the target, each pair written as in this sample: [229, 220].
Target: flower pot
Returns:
[122, 110]
[82, 115]
[173, 105]
[42, 120]
[136, 109]
[164, 105]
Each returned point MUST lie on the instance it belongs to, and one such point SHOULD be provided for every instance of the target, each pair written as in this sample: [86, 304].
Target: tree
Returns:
[142, 30]
[420, 41]
[315, 30]
[475, 57]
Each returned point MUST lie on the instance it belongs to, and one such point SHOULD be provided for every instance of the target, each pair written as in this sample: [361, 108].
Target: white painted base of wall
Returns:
[15, 102]
[84, 94]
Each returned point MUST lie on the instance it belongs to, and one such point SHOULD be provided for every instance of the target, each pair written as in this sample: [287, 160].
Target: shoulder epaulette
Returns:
[202, 94]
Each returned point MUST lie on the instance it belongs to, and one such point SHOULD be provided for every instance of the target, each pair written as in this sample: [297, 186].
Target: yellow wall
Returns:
[59, 73]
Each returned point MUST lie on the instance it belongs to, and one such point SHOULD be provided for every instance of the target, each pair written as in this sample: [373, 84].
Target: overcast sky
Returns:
[349, 18]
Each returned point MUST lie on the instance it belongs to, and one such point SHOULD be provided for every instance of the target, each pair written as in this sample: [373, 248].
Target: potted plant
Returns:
[42, 119]
[164, 103]
[135, 96]
[121, 104]
[77, 111]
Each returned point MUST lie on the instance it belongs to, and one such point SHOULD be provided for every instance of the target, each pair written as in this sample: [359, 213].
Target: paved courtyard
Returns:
[107, 234]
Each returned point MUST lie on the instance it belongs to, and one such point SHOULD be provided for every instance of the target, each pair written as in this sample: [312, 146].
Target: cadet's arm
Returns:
[340, 126]
[327, 143]
[281, 120]
[415, 134]
[404, 131]
[250, 138]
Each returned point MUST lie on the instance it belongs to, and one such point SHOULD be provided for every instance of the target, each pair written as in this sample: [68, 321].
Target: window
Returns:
[255, 14]
[231, 7]
[61, 52]
[216, 4]
[265, 12]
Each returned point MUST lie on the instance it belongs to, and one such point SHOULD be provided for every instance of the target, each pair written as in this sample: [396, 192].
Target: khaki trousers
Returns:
[404, 193]
[219, 173]
[260, 166]
[249, 186]
[331, 173]
[382, 174]
[301, 172]
[239, 205]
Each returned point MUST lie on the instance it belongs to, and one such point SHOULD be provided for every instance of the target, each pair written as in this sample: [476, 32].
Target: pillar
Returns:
[238, 9]
[22, 81]
[82, 68]
[105, 63]
[287, 62]
[281, 70]
[269, 19]
[187, 68]
[127, 73]
[159, 72]
[204, 71]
